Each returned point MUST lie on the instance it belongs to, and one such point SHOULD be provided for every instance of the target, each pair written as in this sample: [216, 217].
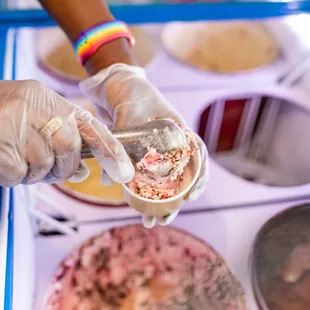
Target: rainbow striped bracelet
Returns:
[92, 39]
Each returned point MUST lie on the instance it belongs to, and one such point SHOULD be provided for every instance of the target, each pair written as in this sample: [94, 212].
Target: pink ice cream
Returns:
[133, 268]
[158, 176]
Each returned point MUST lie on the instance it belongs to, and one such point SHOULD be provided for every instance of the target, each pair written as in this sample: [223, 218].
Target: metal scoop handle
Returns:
[164, 135]
[122, 135]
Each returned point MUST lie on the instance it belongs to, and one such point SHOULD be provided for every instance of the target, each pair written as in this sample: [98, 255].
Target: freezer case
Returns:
[212, 110]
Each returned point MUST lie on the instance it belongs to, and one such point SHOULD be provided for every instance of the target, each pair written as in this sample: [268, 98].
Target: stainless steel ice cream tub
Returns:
[280, 261]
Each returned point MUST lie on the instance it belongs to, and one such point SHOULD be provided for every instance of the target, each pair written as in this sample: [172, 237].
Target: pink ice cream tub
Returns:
[132, 267]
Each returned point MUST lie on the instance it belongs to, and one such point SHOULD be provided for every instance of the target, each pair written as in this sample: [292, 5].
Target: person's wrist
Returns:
[116, 51]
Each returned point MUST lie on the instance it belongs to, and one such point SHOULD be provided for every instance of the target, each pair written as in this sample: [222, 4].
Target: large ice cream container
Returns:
[279, 261]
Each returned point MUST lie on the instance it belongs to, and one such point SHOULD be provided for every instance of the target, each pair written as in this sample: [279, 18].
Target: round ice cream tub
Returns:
[165, 207]
[131, 267]
[60, 67]
[205, 46]
[280, 261]
[91, 191]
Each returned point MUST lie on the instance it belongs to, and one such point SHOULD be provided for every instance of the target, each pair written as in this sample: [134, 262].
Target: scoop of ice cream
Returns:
[158, 176]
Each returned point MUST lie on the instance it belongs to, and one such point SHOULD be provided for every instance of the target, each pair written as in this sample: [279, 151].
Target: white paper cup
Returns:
[167, 206]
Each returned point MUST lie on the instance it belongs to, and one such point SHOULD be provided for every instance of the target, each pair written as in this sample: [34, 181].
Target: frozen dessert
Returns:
[222, 47]
[134, 268]
[158, 176]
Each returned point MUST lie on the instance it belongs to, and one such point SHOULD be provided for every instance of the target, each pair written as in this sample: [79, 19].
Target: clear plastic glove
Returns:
[124, 97]
[41, 136]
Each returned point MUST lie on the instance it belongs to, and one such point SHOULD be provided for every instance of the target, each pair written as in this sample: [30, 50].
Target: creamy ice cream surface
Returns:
[158, 176]
[134, 268]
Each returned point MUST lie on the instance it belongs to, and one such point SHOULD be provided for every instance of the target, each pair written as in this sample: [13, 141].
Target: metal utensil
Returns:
[164, 135]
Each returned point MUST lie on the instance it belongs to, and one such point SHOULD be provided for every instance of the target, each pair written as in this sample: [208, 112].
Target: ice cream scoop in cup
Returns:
[167, 165]
[165, 206]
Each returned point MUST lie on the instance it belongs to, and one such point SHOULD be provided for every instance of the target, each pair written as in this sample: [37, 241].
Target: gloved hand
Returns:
[41, 135]
[123, 96]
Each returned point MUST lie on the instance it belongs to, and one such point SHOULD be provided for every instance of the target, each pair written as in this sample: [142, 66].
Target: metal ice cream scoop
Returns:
[163, 135]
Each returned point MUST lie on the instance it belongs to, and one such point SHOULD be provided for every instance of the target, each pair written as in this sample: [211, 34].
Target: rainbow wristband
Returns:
[92, 39]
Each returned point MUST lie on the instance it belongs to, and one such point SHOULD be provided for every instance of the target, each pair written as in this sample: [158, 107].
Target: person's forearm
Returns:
[74, 16]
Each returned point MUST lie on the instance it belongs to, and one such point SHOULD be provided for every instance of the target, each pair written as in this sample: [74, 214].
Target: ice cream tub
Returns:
[205, 45]
[280, 261]
[91, 191]
[59, 67]
[165, 207]
[131, 267]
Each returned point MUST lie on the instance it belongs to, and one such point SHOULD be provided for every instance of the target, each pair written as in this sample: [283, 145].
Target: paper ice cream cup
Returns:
[167, 206]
